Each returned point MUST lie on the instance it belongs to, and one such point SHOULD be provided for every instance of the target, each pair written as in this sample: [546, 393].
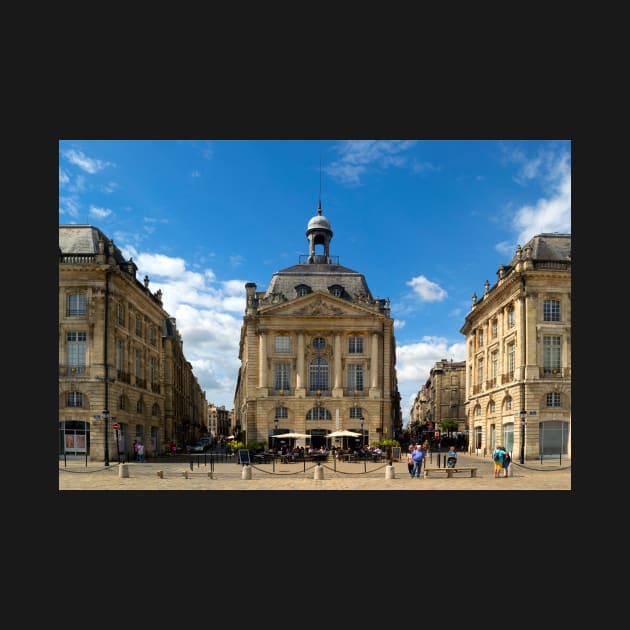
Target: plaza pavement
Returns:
[532, 475]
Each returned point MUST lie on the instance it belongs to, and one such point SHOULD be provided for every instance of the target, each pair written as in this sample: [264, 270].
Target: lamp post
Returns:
[523, 415]
[105, 418]
[275, 429]
[362, 434]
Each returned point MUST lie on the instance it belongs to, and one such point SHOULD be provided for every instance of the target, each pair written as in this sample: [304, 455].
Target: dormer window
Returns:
[302, 289]
[336, 290]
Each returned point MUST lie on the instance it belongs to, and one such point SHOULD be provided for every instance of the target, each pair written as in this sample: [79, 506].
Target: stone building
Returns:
[443, 396]
[317, 353]
[219, 421]
[122, 371]
[518, 354]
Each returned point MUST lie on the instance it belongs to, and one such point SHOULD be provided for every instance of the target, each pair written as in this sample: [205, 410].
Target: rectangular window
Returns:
[138, 326]
[355, 377]
[494, 367]
[120, 314]
[153, 370]
[480, 372]
[495, 328]
[511, 357]
[282, 376]
[355, 345]
[76, 305]
[283, 343]
[551, 310]
[511, 319]
[120, 355]
[282, 413]
[480, 338]
[152, 336]
[553, 399]
[137, 360]
[76, 348]
[74, 399]
[552, 353]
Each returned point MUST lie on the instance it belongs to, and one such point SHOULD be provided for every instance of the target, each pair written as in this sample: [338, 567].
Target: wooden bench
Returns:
[426, 472]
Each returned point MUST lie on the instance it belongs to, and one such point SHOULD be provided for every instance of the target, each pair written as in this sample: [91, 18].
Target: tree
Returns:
[449, 425]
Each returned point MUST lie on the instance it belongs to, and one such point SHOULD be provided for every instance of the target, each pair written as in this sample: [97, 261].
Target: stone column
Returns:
[262, 359]
[374, 362]
[299, 382]
[338, 374]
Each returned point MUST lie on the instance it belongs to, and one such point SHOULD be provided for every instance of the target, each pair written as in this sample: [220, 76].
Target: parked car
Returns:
[207, 442]
[195, 447]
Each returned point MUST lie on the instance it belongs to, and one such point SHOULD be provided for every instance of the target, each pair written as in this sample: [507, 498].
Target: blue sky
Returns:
[426, 222]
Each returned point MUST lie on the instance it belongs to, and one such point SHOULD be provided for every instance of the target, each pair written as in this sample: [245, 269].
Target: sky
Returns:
[427, 222]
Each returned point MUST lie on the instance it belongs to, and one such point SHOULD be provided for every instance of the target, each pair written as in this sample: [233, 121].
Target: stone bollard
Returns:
[123, 470]
[247, 472]
[185, 474]
[160, 474]
[319, 472]
[389, 472]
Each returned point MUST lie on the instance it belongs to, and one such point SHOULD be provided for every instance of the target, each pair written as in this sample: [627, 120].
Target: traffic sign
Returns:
[115, 426]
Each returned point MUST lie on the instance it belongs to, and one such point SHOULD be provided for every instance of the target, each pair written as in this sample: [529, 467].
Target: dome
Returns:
[319, 222]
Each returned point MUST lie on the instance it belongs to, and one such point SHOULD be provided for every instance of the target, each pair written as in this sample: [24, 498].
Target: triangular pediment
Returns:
[317, 305]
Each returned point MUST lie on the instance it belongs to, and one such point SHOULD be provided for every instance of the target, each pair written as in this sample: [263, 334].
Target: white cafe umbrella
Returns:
[343, 433]
[292, 435]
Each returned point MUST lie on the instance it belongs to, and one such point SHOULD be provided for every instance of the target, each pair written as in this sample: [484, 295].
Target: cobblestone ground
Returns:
[75, 475]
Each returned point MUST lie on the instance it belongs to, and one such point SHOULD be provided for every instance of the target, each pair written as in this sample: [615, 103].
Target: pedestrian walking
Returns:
[507, 460]
[497, 457]
[410, 460]
[140, 452]
[418, 456]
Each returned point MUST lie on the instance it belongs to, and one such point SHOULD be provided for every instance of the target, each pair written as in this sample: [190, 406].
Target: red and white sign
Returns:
[115, 426]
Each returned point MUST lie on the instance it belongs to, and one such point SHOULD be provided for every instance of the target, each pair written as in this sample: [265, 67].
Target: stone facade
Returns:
[317, 353]
[120, 356]
[443, 396]
[518, 354]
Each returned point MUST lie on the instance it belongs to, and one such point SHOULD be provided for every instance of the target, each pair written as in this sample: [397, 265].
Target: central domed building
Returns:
[318, 354]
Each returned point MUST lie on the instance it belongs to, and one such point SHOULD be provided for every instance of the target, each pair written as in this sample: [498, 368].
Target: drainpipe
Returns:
[106, 362]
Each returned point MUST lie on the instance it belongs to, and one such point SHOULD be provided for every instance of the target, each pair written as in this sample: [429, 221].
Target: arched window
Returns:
[318, 413]
[281, 413]
[302, 289]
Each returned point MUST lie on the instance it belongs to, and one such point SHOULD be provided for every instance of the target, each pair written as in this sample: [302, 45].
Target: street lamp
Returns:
[523, 415]
[105, 418]
[361, 422]
[275, 429]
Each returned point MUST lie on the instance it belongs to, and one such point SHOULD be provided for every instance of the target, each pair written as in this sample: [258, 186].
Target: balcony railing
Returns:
[359, 393]
[66, 370]
[558, 372]
[141, 382]
[318, 392]
[283, 392]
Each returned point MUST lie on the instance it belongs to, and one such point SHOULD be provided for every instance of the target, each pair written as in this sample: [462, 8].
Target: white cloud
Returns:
[414, 362]
[427, 291]
[357, 155]
[89, 165]
[552, 213]
[99, 213]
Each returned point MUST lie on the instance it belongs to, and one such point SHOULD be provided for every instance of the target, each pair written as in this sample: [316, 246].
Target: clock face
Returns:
[318, 343]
